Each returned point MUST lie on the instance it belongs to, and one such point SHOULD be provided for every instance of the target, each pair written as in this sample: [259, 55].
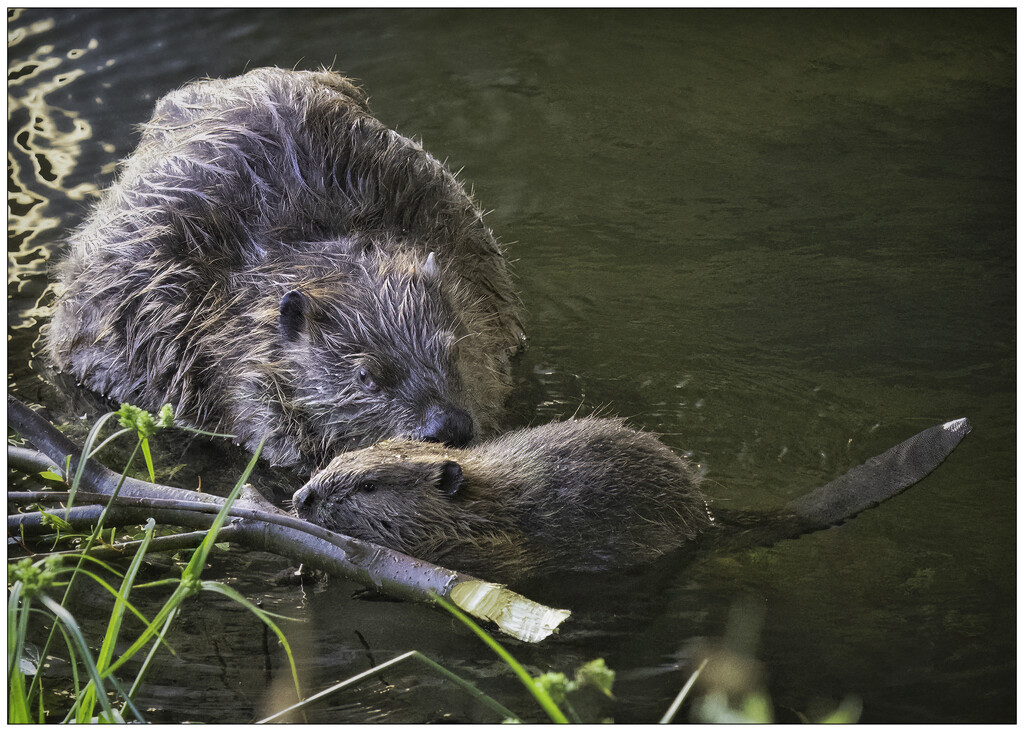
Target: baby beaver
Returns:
[586, 494]
[580, 495]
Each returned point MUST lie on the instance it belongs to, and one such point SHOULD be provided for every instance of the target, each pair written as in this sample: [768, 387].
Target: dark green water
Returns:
[786, 240]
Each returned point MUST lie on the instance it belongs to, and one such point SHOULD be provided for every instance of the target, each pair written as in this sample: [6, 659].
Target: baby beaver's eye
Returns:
[367, 487]
[366, 379]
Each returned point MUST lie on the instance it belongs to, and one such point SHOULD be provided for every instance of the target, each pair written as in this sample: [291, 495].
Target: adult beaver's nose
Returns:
[452, 426]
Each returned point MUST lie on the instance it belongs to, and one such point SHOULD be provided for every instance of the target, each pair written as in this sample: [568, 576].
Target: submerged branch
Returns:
[127, 549]
[258, 525]
[29, 461]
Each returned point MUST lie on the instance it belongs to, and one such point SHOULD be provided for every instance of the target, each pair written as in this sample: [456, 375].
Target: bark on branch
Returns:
[258, 525]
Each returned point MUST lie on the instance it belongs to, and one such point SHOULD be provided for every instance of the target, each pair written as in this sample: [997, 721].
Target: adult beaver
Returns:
[580, 495]
[276, 263]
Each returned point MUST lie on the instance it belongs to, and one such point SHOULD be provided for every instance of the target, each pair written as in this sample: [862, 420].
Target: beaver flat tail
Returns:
[881, 477]
[867, 485]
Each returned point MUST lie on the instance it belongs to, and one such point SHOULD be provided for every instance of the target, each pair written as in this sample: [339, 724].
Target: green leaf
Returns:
[17, 701]
[137, 419]
[17, 628]
[596, 674]
[149, 459]
[87, 700]
[53, 521]
[556, 685]
[190, 582]
[51, 475]
[198, 561]
[71, 626]
[166, 416]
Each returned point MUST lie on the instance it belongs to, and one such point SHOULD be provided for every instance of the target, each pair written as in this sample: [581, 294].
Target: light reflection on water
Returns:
[785, 242]
[45, 145]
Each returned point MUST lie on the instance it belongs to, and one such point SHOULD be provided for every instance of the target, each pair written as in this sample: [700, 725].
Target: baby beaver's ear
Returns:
[450, 479]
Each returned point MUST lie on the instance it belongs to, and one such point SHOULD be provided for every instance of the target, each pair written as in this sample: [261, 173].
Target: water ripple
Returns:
[45, 147]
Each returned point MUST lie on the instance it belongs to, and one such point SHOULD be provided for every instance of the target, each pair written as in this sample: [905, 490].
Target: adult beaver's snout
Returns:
[451, 426]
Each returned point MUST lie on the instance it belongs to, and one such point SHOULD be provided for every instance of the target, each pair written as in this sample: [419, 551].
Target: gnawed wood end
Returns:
[514, 614]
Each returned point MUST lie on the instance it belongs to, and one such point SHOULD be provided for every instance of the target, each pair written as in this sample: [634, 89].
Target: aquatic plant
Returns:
[31, 584]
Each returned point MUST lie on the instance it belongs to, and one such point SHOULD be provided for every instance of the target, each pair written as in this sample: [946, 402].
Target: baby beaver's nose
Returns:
[302, 499]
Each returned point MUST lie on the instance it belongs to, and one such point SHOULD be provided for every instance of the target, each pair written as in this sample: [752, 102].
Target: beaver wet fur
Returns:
[277, 264]
[582, 494]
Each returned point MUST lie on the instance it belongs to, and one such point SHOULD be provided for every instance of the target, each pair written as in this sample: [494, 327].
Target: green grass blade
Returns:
[196, 431]
[117, 614]
[17, 701]
[86, 453]
[190, 582]
[149, 459]
[177, 597]
[542, 697]
[19, 608]
[337, 687]
[158, 583]
[121, 603]
[73, 663]
[42, 709]
[87, 558]
[160, 640]
[473, 691]
[69, 623]
[233, 594]
[118, 597]
[82, 712]
[480, 696]
[17, 619]
[120, 433]
[99, 526]
[678, 701]
[198, 561]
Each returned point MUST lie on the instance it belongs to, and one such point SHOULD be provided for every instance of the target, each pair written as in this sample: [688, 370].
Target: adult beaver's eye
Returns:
[367, 487]
[366, 379]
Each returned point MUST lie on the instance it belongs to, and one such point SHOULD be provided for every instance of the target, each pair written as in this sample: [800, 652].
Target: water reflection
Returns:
[45, 147]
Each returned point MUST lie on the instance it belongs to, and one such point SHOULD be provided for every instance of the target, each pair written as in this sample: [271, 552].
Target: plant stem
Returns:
[455, 678]
[678, 701]
[542, 697]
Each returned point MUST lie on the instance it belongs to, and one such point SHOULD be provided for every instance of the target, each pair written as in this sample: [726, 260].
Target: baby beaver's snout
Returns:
[308, 505]
[400, 494]
[303, 500]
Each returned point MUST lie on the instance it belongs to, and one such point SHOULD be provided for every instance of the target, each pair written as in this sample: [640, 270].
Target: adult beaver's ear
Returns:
[429, 268]
[291, 319]
[451, 478]
[426, 270]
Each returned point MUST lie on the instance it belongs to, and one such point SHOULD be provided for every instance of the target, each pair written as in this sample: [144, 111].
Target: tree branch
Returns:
[258, 525]
[125, 549]
[29, 461]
